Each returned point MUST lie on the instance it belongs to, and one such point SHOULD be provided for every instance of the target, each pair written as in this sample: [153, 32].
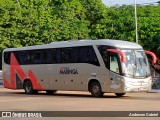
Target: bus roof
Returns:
[74, 43]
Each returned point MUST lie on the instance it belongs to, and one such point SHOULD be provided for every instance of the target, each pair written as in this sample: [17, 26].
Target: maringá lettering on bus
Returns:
[67, 70]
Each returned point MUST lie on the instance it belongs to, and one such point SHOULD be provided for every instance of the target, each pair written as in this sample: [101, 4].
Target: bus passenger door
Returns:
[114, 67]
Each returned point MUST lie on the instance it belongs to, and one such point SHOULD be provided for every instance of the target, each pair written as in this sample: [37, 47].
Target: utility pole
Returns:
[136, 25]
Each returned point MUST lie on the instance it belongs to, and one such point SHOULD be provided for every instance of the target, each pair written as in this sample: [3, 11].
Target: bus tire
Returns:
[50, 92]
[96, 90]
[120, 94]
[28, 88]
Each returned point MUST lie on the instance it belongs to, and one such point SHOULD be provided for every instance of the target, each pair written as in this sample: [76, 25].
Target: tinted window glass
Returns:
[87, 55]
[114, 64]
[23, 57]
[50, 56]
[67, 55]
[38, 57]
[105, 55]
[58, 56]
[7, 57]
[103, 52]
[74, 55]
[91, 56]
[83, 54]
[55, 56]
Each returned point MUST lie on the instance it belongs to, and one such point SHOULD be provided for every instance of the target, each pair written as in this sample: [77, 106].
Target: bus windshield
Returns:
[136, 64]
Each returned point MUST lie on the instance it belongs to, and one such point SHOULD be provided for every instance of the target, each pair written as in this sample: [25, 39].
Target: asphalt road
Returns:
[17, 100]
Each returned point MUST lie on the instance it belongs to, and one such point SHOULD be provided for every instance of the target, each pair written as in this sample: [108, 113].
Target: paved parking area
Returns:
[17, 100]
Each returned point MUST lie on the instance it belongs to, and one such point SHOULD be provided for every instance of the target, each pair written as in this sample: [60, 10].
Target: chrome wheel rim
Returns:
[95, 89]
[28, 88]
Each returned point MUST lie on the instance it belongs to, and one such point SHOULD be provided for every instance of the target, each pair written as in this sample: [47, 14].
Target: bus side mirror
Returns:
[154, 58]
[122, 54]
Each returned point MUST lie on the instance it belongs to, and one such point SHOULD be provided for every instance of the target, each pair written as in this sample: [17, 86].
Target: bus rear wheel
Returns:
[96, 90]
[120, 94]
[50, 92]
[28, 88]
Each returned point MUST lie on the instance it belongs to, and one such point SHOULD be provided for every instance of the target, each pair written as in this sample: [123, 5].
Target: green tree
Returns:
[96, 14]
[149, 27]
[32, 22]
[67, 21]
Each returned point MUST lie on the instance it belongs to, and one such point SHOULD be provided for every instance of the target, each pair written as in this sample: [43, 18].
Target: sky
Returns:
[126, 2]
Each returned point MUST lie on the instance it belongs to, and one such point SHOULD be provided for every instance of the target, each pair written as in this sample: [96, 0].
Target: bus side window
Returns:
[67, 55]
[48, 56]
[38, 57]
[74, 55]
[103, 52]
[88, 55]
[7, 57]
[92, 58]
[82, 55]
[23, 57]
[58, 56]
[114, 64]
[51, 56]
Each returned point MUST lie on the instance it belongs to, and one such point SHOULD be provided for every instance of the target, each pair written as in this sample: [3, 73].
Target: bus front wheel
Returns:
[96, 90]
[28, 88]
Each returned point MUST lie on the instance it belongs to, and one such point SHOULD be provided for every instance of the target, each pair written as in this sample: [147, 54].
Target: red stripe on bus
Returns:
[16, 68]
[6, 84]
[34, 80]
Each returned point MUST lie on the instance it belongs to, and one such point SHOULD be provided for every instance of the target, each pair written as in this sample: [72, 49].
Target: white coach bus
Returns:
[97, 66]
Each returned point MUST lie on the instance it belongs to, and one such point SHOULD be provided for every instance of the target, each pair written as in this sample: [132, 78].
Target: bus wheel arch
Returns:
[94, 87]
[28, 87]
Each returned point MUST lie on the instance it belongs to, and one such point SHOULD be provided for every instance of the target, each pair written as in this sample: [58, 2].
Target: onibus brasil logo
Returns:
[67, 70]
